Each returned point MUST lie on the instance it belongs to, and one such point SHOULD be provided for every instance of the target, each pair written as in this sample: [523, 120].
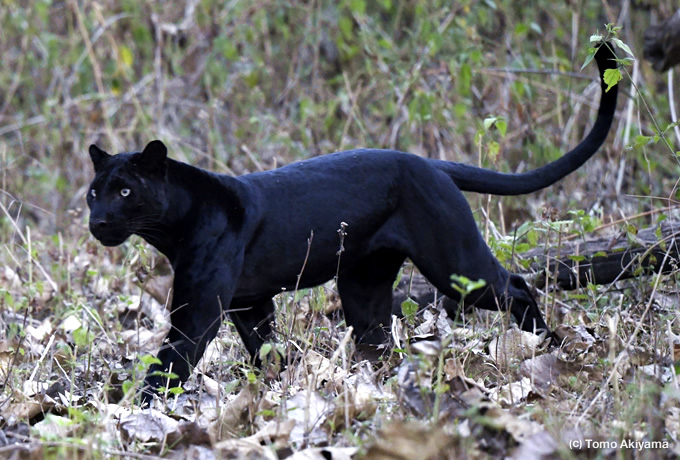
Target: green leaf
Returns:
[82, 337]
[489, 122]
[641, 141]
[149, 360]
[577, 258]
[612, 29]
[399, 276]
[494, 149]
[346, 27]
[465, 285]
[612, 77]
[579, 296]
[591, 55]
[502, 126]
[409, 307]
[385, 44]
[464, 76]
[252, 79]
[125, 55]
[596, 38]
[522, 247]
[671, 126]
[265, 349]
[358, 6]
[9, 299]
[623, 46]
[521, 29]
[165, 375]
[176, 391]
[532, 236]
[226, 47]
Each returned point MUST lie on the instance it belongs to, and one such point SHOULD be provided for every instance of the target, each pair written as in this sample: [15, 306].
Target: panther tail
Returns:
[473, 179]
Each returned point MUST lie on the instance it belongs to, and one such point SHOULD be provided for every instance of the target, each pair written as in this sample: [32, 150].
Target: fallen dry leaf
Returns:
[543, 371]
[234, 413]
[320, 370]
[55, 427]
[26, 407]
[358, 399]
[425, 344]
[246, 449]
[309, 410]
[409, 441]
[38, 333]
[147, 425]
[576, 340]
[324, 453]
[502, 419]
[537, 446]
[262, 444]
[513, 346]
[511, 393]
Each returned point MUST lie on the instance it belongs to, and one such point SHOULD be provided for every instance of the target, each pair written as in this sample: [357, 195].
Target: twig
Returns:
[625, 219]
[38, 119]
[626, 132]
[297, 286]
[671, 101]
[354, 101]
[42, 358]
[252, 157]
[501, 71]
[95, 65]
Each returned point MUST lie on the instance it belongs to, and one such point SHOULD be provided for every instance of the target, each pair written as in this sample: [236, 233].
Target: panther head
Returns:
[127, 194]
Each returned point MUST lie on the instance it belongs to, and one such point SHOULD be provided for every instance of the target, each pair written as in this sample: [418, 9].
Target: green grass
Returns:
[241, 86]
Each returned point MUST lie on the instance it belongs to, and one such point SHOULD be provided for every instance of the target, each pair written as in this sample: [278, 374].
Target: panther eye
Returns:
[93, 193]
[125, 192]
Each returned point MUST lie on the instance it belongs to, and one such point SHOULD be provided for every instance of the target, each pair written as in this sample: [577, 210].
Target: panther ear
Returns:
[154, 157]
[99, 157]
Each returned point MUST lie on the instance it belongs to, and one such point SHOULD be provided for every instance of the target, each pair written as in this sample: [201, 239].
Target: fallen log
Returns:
[608, 259]
[577, 263]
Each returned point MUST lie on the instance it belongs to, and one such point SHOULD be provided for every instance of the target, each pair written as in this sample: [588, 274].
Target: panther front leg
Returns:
[200, 299]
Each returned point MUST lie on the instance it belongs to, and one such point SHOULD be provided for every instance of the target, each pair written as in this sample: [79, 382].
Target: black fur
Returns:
[235, 242]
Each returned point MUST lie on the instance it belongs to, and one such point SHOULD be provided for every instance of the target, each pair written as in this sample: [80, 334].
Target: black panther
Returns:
[235, 242]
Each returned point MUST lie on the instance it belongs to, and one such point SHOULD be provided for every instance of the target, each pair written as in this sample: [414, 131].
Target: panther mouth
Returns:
[111, 241]
[108, 236]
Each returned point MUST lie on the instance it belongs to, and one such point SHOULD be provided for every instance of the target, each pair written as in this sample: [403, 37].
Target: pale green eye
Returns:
[93, 194]
[125, 192]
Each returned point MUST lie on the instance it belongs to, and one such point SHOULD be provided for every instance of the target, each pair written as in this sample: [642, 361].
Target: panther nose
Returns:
[98, 224]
